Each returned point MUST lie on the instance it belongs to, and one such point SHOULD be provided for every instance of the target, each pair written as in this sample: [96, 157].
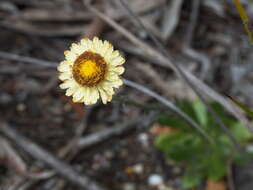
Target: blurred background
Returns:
[136, 142]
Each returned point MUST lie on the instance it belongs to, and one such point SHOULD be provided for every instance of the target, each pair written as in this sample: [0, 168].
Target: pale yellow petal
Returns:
[107, 54]
[103, 95]
[65, 75]
[70, 56]
[117, 83]
[106, 86]
[90, 45]
[92, 99]
[68, 84]
[95, 40]
[71, 91]
[94, 95]
[109, 98]
[118, 70]
[108, 50]
[78, 49]
[84, 43]
[104, 47]
[97, 46]
[115, 54]
[111, 76]
[117, 61]
[86, 96]
[78, 95]
[64, 66]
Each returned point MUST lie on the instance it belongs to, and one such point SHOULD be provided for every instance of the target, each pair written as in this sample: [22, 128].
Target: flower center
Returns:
[89, 69]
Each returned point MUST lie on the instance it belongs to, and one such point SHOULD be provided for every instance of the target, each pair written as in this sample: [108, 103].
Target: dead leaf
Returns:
[10, 158]
[158, 129]
[216, 185]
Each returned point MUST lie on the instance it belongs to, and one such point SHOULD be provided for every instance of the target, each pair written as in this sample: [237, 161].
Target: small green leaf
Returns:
[187, 107]
[241, 132]
[180, 146]
[174, 122]
[192, 178]
[216, 167]
[201, 112]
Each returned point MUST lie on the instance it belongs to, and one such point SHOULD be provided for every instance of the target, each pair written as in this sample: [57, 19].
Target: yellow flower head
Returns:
[91, 70]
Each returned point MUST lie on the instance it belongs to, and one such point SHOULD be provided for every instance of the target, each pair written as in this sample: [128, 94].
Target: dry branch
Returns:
[39, 153]
[119, 129]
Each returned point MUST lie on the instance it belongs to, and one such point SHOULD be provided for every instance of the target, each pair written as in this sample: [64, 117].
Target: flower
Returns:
[91, 69]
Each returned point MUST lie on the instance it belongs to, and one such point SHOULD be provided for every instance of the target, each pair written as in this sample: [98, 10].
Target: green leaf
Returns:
[224, 146]
[201, 112]
[216, 166]
[192, 178]
[187, 107]
[241, 132]
[174, 122]
[179, 146]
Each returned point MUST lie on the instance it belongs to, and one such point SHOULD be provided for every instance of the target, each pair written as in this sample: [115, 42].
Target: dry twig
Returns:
[171, 18]
[10, 158]
[114, 131]
[39, 153]
[193, 22]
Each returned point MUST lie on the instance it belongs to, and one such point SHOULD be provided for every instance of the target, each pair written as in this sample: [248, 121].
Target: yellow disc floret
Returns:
[89, 69]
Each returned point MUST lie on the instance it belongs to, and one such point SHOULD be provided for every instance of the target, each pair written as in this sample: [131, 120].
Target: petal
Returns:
[84, 43]
[108, 50]
[104, 47]
[68, 84]
[119, 70]
[95, 40]
[115, 54]
[107, 54]
[117, 61]
[117, 83]
[106, 86]
[78, 49]
[103, 95]
[65, 76]
[71, 91]
[63, 66]
[111, 76]
[98, 46]
[95, 95]
[90, 45]
[70, 56]
[78, 95]
[86, 96]
[92, 98]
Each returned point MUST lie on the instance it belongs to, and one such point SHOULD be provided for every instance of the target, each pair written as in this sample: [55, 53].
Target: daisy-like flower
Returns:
[91, 69]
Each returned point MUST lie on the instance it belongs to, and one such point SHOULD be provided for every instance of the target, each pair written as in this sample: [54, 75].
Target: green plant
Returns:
[186, 146]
